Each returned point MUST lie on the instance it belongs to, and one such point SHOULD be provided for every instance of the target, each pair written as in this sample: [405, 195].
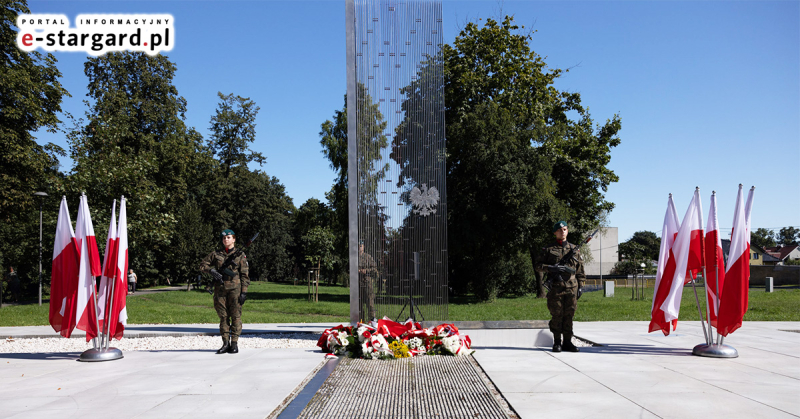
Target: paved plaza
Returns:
[632, 375]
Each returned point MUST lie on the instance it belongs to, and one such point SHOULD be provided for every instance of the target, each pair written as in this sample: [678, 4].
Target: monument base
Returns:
[715, 351]
[96, 355]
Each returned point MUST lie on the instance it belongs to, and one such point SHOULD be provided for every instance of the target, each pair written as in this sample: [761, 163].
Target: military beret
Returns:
[226, 232]
[557, 226]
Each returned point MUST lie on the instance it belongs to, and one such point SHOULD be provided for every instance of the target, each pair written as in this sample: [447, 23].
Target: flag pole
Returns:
[702, 263]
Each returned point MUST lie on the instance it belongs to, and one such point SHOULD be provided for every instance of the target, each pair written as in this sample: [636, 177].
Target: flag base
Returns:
[715, 351]
[96, 355]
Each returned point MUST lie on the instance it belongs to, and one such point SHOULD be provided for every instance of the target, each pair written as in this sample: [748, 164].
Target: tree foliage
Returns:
[788, 235]
[763, 238]
[517, 161]
[30, 99]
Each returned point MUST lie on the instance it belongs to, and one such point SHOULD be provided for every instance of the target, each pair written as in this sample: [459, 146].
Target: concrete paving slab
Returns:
[634, 374]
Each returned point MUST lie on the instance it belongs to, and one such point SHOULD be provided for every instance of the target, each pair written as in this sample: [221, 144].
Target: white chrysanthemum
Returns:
[451, 343]
[342, 337]
[414, 343]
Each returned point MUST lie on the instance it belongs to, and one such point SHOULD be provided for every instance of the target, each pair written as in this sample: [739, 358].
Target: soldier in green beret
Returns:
[230, 270]
[567, 279]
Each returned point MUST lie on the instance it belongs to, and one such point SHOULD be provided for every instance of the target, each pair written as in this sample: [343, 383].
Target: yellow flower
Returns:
[399, 349]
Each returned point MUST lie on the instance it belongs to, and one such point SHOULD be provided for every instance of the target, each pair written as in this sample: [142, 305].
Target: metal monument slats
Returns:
[400, 134]
[422, 387]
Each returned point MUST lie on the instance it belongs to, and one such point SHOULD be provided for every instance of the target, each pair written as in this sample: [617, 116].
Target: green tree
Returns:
[333, 138]
[246, 201]
[516, 160]
[649, 244]
[788, 235]
[135, 143]
[763, 238]
[318, 248]
[30, 99]
[233, 128]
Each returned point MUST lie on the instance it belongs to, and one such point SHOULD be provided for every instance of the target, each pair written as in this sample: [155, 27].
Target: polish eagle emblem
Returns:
[424, 200]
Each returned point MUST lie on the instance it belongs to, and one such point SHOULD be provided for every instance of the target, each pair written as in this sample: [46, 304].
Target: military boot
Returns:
[556, 342]
[234, 349]
[225, 347]
[568, 345]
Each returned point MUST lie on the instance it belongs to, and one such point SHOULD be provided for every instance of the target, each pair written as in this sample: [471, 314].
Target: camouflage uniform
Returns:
[562, 297]
[367, 272]
[226, 295]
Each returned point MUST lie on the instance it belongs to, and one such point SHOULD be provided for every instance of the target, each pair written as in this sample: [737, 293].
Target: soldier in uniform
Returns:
[367, 272]
[230, 289]
[566, 285]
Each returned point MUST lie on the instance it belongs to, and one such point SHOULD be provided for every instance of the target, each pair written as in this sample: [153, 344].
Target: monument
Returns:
[397, 204]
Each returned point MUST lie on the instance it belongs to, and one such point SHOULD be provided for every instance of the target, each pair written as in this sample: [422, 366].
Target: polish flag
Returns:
[89, 266]
[64, 277]
[714, 259]
[687, 250]
[118, 313]
[666, 270]
[109, 268]
[733, 301]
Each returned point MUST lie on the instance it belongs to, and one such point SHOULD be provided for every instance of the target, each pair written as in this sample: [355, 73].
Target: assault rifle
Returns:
[225, 269]
[561, 266]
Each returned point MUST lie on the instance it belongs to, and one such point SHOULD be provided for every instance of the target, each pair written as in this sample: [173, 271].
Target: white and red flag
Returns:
[715, 269]
[64, 282]
[687, 250]
[109, 268]
[89, 266]
[666, 270]
[734, 298]
[118, 312]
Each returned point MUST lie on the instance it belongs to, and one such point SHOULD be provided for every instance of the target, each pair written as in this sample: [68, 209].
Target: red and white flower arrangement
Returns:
[386, 339]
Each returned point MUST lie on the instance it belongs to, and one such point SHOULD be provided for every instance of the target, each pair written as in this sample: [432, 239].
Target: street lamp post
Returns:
[41, 196]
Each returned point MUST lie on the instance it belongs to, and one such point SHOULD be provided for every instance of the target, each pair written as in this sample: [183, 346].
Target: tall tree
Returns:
[788, 235]
[516, 160]
[648, 243]
[233, 128]
[30, 99]
[763, 238]
[247, 201]
[333, 138]
[135, 143]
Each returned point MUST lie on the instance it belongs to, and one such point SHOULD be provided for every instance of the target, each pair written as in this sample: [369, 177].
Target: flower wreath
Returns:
[386, 339]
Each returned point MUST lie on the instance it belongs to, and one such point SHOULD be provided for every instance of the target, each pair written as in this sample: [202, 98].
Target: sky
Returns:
[708, 92]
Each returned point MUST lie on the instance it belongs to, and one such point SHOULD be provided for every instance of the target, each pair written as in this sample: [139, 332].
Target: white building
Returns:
[603, 252]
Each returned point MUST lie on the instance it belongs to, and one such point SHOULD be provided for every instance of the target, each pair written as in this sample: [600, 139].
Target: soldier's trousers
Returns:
[226, 302]
[367, 296]
[561, 301]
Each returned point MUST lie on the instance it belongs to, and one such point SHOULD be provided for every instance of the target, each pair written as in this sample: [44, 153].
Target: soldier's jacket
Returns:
[367, 263]
[552, 254]
[240, 267]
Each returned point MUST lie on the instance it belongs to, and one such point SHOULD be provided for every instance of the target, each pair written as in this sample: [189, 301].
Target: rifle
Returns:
[561, 267]
[225, 269]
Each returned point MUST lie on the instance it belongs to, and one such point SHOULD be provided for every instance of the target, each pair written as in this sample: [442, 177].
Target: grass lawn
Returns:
[285, 303]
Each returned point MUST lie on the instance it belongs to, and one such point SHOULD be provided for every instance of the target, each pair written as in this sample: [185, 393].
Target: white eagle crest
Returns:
[424, 200]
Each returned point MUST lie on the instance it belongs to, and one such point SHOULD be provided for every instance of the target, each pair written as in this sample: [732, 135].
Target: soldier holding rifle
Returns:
[564, 266]
[230, 270]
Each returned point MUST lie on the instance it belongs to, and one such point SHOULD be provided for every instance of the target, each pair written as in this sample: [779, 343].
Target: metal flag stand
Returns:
[710, 349]
[410, 301]
[102, 351]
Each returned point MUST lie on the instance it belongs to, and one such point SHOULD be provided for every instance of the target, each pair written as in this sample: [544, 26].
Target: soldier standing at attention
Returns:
[230, 270]
[566, 285]
[367, 271]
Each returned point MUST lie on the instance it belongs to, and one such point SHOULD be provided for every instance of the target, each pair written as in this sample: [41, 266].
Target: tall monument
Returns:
[397, 204]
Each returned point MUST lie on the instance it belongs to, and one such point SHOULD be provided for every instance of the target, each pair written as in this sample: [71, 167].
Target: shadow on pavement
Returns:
[612, 349]
[43, 355]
